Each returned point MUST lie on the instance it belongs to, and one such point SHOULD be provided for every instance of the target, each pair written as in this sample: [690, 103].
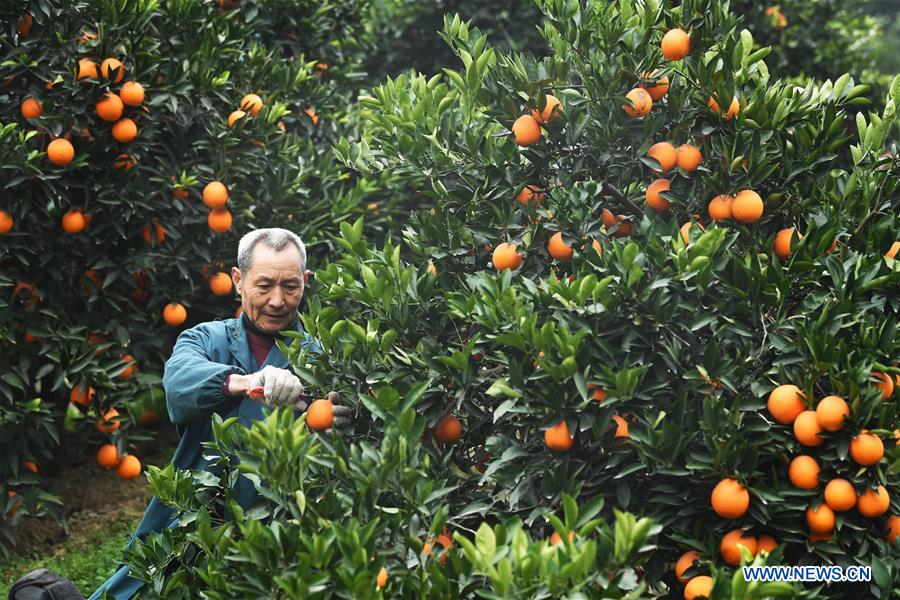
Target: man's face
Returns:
[271, 291]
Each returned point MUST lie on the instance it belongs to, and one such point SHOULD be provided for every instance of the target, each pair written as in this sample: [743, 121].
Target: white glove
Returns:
[280, 386]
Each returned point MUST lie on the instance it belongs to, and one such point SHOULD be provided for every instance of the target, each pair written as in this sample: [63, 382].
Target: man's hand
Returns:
[280, 386]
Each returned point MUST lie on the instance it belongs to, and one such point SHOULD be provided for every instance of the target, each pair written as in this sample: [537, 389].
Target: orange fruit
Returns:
[640, 103]
[129, 468]
[831, 413]
[873, 503]
[6, 222]
[506, 257]
[621, 426]
[555, 538]
[676, 44]
[785, 403]
[448, 430]
[820, 537]
[730, 499]
[219, 220]
[558, 439]
[148, 418]
[531, 193]
[766, 543]
[73, 221]
[698, 587]
[320, 414]
[132, 93]
[840, 495]
[659, 89]
[124, 130]
[609, 221]
[180, 193]
[558, 248]
[311, 113]
[215, 194]
[108, 456]
[730, 547]
[60, 152]
[160, 233]
[892, 251]
[23, 24]
[432, 269]
[79, 396]
[526, 130]
[110, 108]
[381, 578]
[86, 37]
[665, 153]
[234, 116]
[782, 245]
[110, 64]
[220, 284]
[685, 561]
[129, 370]
[251, 103]
[866, 448]
[108, 422]
[686, 230]
[733, 110]
[654, 197]
[886, 384]
[31, 109]
[550, 112]
[747, 206]
[720, 207]
[87, 69]
[689, 157]
[124, 161]
[821, 519]
[892, 528]
[804, 472]
[598, 394]
[807, 428]
[174, 314]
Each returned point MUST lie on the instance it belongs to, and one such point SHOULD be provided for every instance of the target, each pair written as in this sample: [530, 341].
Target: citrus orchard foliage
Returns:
[819, 39]
[586, 343]
[125, 189]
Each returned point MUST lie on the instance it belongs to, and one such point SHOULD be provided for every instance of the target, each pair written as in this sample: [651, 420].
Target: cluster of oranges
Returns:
[558, 437]
[127, 467]
[675, 45]
[787, 406]
[686, 157]
[731, 500]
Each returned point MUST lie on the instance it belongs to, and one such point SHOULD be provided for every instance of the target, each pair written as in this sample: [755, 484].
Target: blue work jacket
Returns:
[193, 379]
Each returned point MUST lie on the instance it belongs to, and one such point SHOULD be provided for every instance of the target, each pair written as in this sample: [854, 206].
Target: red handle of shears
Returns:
[258, 392]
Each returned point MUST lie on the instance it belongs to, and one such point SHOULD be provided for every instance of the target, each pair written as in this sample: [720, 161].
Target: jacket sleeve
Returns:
[193, 382]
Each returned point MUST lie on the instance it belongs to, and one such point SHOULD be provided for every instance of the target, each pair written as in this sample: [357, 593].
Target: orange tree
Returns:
[138, 141]
[646, 275]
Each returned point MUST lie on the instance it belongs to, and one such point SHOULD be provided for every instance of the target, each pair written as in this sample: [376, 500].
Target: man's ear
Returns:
[306, 276]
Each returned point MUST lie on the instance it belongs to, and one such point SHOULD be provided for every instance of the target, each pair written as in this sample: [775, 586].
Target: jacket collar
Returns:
[239, 346]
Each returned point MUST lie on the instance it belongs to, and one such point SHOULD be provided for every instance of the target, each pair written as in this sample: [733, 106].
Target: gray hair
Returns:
[275, 238]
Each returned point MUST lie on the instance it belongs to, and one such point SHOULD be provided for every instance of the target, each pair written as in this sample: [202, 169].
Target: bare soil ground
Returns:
[94, 498]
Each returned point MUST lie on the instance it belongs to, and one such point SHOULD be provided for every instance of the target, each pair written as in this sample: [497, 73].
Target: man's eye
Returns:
[263, 287]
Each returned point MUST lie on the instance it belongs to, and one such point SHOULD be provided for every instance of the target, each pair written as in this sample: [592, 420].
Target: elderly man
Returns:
[215, 365]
